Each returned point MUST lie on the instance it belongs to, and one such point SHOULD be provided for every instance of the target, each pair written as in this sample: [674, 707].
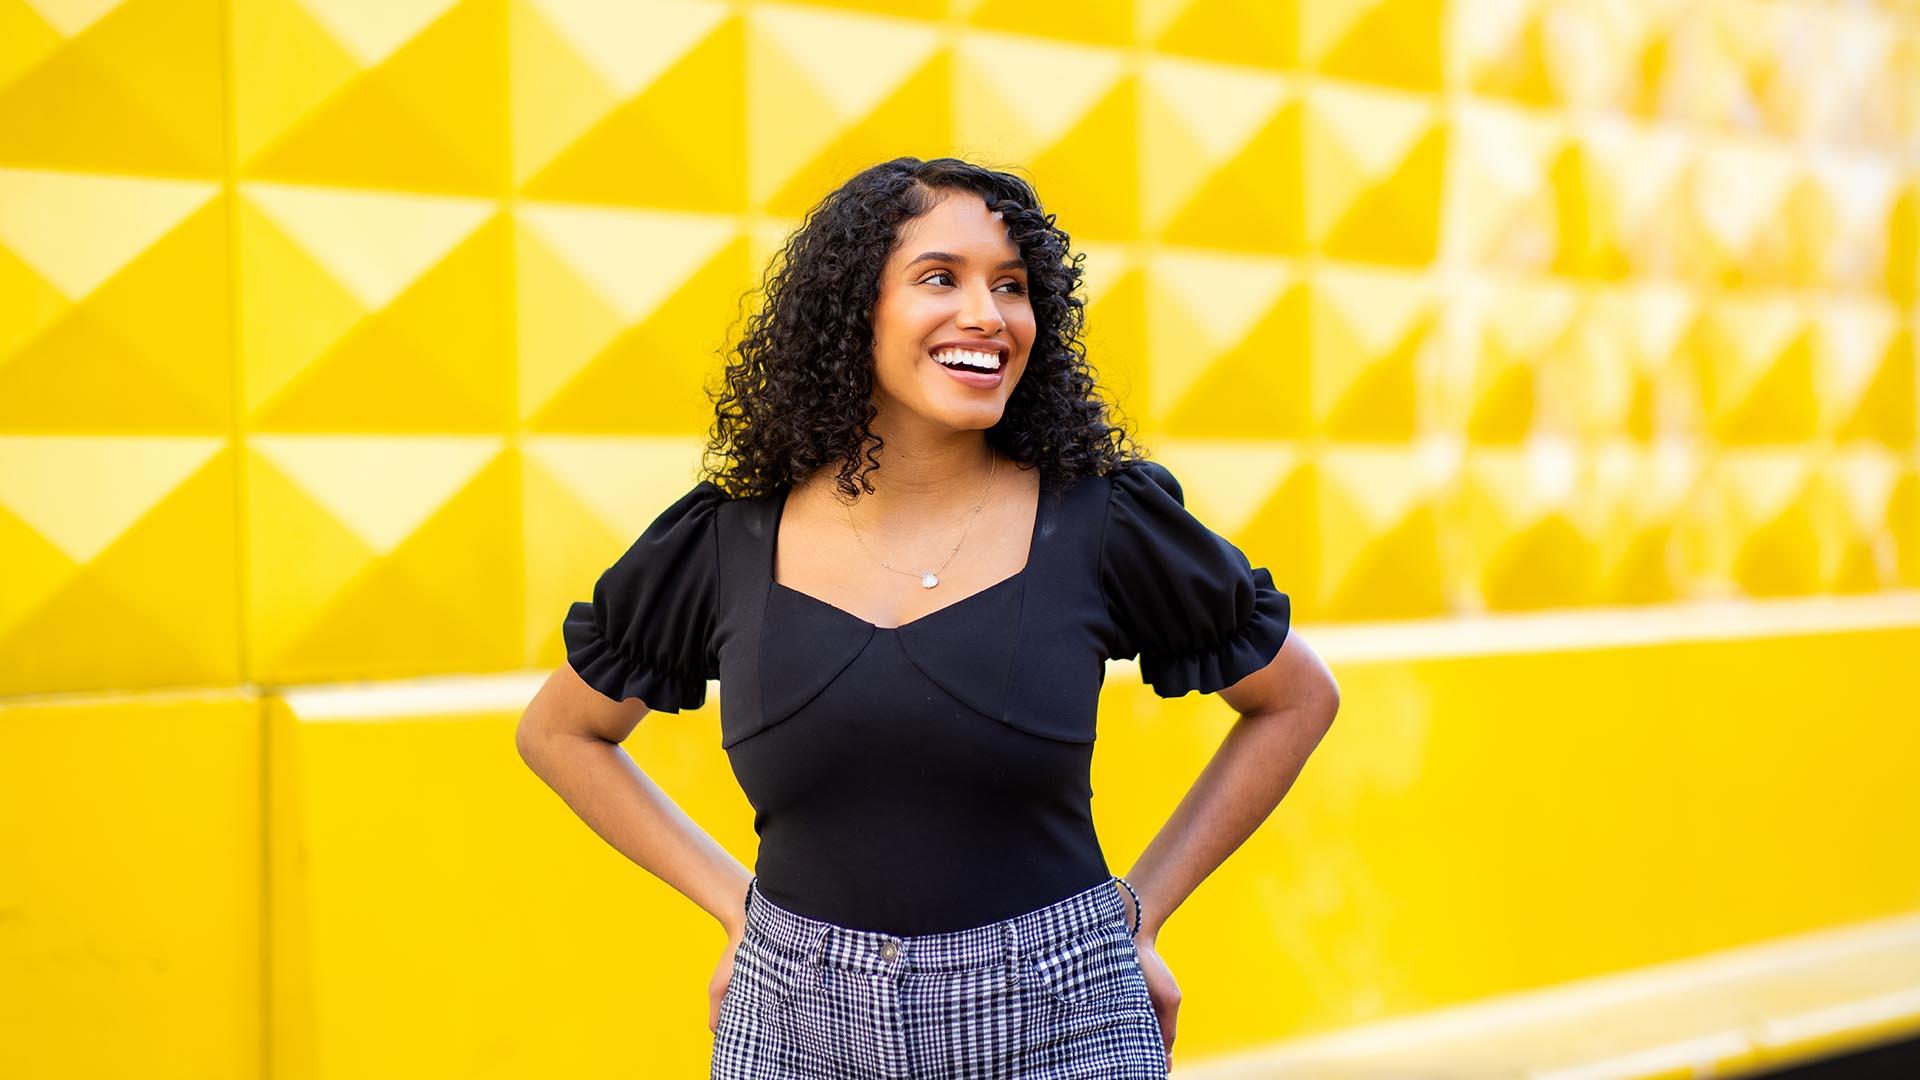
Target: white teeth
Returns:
[985, 361]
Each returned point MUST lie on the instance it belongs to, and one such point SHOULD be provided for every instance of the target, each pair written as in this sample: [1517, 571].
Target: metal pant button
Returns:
[890, 950]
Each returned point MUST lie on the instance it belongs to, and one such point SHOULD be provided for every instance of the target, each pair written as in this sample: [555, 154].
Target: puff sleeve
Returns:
[648, 631]
[1179, 595]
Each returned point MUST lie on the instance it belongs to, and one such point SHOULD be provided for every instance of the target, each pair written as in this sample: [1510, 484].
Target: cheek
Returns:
[896, 363]
[1024, 328]
[1020, 318]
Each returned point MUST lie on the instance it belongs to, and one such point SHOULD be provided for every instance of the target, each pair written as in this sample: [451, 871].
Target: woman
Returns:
[929, 541]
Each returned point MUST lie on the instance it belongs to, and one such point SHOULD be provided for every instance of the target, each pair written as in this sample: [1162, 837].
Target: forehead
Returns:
[959, 223]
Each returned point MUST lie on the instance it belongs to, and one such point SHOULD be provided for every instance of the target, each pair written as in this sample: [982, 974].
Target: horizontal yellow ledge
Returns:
[1607, 627]
[1724, 1014]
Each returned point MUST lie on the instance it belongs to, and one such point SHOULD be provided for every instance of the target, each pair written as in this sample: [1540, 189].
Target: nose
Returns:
[979, 312]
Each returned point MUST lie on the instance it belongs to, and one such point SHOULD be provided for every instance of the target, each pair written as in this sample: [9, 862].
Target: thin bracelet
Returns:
[1125, 884]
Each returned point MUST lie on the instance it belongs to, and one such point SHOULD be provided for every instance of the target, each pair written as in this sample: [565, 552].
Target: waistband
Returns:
[985, 946]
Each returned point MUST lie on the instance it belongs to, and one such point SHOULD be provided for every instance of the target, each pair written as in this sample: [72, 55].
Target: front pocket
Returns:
[776, 974]
[1087, 967]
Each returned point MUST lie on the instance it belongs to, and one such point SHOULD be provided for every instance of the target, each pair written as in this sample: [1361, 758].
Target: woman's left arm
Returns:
[1284, 709]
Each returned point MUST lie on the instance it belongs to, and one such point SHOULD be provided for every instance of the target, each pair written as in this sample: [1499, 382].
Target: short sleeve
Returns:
[1180, 596]
[648, 631]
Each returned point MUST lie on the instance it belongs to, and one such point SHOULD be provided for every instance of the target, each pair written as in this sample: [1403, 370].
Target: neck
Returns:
[918, 476]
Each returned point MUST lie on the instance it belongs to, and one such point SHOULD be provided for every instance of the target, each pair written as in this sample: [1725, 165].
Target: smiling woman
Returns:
[927, 543]
[906, 258]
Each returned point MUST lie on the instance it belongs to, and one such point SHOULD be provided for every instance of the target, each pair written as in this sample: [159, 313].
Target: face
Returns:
[953, 279]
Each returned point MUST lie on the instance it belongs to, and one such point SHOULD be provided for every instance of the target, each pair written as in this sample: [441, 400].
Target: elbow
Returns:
[528, 735]
[1327, 702]
[1316, 704]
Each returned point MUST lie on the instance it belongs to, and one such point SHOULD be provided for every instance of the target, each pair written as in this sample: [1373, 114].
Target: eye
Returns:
[1017, 287]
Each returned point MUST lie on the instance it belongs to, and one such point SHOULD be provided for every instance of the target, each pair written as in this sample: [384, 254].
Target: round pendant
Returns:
[928, 580]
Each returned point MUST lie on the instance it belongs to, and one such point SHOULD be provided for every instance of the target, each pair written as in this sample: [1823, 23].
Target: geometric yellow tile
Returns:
[285, 63]
[630, 105]
[405, 96]
[133, 585]
[1256, 34]
[1742, 194]
[1503, 208]
[1528, 534]
[818, 80]
[1067, 114]
[1624, 200]
[1855, 199]
[132, 87]
[622, 316]
[1372, 333]
[76, 231]
[1751, 530]
[1388, 42]
[339, 285]
[1505, 49]
[1227, 312]
[1377, 529]
[1860, 552]
[373, 557]
[1018, 97]
[1221, 158]
[1635, 494]
[1374, 161]
[1751, 359]
[437, 358]
[1517, 334]
[1865, 372]
[1599, 386]
[113, 304]
[1094, 167]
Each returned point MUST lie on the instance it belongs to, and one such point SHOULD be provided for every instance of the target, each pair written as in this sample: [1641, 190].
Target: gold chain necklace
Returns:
[930, 578]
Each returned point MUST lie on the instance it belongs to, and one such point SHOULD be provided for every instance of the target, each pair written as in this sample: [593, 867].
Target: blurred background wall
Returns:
[1557, 356]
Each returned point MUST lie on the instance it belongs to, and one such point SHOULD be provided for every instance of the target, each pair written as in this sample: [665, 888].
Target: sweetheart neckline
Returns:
[1033, 552]
[837, 609]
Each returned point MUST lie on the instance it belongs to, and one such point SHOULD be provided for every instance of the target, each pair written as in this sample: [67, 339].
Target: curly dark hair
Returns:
[798, 390]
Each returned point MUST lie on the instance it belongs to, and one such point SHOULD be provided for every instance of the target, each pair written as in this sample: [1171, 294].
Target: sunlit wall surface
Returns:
[342, 341]
[350, 341]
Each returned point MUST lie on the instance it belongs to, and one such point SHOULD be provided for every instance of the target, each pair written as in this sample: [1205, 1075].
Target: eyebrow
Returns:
[942, 256]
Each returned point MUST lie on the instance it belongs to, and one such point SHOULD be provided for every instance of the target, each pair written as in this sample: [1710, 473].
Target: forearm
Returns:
[1247, 777]
[603, 785]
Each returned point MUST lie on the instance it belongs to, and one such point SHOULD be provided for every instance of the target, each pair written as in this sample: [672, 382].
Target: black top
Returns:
[932, 776]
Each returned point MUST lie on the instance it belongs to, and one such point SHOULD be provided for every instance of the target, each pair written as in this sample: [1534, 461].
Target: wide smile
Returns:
[983, 369]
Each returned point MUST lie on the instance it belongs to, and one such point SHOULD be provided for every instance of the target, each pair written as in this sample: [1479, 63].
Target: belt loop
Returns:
[817, 951]
[1011, 937]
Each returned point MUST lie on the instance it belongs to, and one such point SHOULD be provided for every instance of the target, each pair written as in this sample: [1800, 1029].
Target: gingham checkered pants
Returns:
[1056, 993]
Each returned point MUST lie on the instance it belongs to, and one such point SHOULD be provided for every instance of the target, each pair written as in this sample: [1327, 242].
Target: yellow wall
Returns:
[345, 342]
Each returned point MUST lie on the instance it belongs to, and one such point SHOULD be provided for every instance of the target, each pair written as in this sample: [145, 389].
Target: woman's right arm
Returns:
[570, 736]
